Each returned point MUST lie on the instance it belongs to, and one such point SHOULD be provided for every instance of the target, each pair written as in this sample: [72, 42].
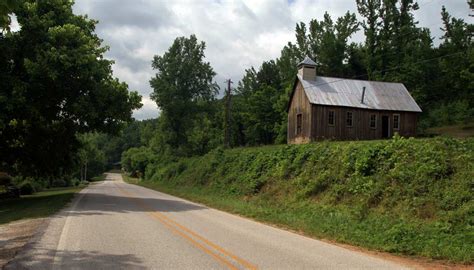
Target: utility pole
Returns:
[227, 114]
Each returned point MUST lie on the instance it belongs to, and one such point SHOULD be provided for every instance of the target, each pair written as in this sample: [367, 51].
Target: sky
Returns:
[238, 34]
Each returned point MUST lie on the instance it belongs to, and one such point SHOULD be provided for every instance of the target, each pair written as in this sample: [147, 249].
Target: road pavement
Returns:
[115, 225]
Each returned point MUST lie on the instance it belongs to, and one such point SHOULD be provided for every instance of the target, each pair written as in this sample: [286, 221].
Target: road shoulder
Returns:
[19, 239]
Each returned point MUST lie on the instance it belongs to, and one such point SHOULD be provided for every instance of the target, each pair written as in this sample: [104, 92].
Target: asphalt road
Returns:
[114, 225]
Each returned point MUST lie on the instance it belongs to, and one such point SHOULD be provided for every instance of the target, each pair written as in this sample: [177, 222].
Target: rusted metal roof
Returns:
[348, 93]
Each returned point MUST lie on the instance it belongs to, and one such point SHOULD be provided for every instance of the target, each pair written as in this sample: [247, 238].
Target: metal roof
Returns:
[347, 92]
[307, 61]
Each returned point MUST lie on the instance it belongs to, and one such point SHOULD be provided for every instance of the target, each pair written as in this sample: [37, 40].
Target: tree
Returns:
[453, 98]
[326, 42]
[369, 10]
[255, 115]
[182, 88]
[58, 85]
[91, 158]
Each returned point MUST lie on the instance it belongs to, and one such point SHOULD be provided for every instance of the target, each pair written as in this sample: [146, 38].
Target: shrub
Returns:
[59, 183]
[84, 183]
[75, 182]
[37, 185]
[5, 179]
[135, 160]
[26, 188]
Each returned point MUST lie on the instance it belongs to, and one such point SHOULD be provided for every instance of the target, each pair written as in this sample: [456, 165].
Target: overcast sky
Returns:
[238, 34]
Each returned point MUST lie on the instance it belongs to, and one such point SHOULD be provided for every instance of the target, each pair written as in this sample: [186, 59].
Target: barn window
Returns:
[349, 119]
[373, 121]
[396, 121]
[331, 118]
[299, 123]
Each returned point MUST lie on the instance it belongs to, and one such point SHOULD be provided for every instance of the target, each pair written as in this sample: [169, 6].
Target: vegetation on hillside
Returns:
[409, 196]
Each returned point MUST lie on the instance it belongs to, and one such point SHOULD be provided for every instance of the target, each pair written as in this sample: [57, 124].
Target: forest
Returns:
[64, 115]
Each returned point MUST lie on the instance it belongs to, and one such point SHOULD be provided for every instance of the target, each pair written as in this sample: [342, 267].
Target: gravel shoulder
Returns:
[15, 235]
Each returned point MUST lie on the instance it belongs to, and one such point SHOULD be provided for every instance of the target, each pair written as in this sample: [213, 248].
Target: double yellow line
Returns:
[218, 253]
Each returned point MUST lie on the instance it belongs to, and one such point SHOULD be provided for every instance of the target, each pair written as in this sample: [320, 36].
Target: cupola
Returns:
[307, 69]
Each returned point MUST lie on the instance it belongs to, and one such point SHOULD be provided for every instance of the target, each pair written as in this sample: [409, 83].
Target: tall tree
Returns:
[256, 116]
[58, 85]
[182, 88]
[369, 10]
[326, 42]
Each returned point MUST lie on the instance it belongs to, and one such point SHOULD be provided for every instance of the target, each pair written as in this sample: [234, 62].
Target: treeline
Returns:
[396, 49]
[56, 88]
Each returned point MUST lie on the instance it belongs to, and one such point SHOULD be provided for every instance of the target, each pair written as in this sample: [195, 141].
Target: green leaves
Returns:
[58, 85]
[183, 89]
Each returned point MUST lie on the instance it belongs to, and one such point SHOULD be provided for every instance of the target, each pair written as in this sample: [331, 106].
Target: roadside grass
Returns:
[130, 180]
[98, 178]
[404, 196]
[38, 205]
[459, 131]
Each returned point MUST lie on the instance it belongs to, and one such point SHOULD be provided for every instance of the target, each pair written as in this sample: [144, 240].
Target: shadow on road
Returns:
[103, 204]
[77, 260]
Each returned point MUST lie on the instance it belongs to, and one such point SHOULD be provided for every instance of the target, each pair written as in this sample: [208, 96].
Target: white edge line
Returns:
[65, 230]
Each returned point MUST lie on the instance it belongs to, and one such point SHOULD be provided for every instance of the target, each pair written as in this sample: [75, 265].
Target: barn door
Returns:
[385, 126]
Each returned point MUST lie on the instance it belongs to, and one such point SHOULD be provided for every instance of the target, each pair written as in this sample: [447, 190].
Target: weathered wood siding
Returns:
[360, 130]
[299, 104]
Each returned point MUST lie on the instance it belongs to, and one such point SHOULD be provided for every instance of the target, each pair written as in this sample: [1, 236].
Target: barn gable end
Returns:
[299, 105]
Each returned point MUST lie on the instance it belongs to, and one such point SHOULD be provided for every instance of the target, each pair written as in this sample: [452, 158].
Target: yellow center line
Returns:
[195, 243]
[168, 222]
[240, 260]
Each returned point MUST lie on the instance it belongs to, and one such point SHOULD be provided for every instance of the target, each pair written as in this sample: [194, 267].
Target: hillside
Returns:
[408, 196]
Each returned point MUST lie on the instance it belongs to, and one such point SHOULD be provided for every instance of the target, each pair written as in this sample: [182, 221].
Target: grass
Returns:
[98, 178]
[41, 204]
[458, 131]
[405, 196]
[129, 179]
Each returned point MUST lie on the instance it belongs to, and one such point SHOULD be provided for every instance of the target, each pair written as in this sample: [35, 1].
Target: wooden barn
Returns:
[323, 108]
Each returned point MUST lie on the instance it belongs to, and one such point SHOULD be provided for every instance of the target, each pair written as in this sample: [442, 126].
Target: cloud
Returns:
[148, 111]
[238, 34]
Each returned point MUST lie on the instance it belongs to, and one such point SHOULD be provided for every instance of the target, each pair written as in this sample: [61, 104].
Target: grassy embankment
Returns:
[41, 204]
[405, 196]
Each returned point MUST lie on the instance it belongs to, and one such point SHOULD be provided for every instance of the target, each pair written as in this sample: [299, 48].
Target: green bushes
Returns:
[28, 185]
[411, 196]
[135, 160]
[5, 179]
[26, 188]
